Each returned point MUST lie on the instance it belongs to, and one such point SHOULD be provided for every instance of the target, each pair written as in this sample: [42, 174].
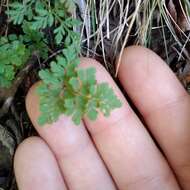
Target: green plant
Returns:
[34, 40]
[43, 14]
[76, 90]
[12, 57]
[16, 50]
[64, 89]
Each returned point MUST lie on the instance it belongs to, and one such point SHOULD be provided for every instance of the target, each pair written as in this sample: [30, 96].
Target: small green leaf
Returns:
[90, 76]
[42, 120]
[42, 89]
[92, 90]
[50, 20]
[77, 117]
[59, 34]
[61, 61]
[57, 69]
[92, 114]
[69, 106]
[74, 82]
[12, 37]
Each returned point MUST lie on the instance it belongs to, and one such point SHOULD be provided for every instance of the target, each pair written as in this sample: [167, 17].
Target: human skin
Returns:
[118, 152]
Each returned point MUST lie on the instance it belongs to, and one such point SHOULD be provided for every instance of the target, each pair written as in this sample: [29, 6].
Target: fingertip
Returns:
[144, 74]
[35, 166]
[86, 60]
[27, 153]
[89, 62]
[31, 143]
[139, 62]
[138, 51]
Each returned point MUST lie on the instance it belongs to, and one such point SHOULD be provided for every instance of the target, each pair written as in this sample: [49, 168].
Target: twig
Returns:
[52, 55]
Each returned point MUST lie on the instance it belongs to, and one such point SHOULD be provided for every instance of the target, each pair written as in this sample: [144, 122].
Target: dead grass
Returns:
[110, 26]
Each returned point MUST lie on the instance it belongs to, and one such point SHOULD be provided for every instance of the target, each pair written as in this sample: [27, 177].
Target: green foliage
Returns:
[65, 89]
[41, 14]
[74, 92]
[69, 5]
[34, 40]
[44, 16]
[64, 30]
[16, 50]
[12, 57]
[18, 11]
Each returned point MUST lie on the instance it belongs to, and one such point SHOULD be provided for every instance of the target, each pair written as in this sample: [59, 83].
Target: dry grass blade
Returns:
[138, 3]
[116, 22]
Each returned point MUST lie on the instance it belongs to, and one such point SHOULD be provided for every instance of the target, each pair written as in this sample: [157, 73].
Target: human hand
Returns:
[118, 152]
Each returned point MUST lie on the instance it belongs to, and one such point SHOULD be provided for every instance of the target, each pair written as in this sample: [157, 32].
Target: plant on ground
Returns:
[12, 57]
[64, 89]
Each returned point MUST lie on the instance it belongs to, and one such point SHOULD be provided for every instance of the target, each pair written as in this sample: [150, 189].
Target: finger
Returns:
[125, 146]
[164, 104]
[36, 167]
[79, 161]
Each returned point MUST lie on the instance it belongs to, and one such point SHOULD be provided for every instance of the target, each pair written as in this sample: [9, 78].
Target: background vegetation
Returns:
[106, 28]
